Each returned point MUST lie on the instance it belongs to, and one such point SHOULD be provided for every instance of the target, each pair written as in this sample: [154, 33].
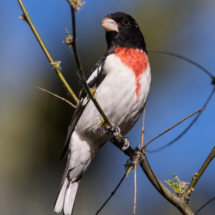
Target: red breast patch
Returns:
[135, 59]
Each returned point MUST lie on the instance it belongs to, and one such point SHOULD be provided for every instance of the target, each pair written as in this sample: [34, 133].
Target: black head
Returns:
[122, 30]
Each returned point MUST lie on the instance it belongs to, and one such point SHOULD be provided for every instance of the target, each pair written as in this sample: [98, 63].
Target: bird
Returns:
[121, 80]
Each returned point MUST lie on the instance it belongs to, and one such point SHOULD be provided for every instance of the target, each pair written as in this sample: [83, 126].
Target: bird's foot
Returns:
[126, 144]
[115, 131]
[119, 145]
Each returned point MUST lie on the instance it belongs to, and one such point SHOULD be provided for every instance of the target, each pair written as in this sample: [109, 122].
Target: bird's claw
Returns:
[123, 147]
[126, 144]
[115, 131]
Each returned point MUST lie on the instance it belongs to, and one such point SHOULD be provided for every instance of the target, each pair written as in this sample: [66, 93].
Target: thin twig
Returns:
[55, 65]
[63, 99]
[205, 205]
[135, 188]
[201, 171]
[184, 58]
[81, 73]
[112, 193]
[143, 132]
[172, 128]
[188, 127]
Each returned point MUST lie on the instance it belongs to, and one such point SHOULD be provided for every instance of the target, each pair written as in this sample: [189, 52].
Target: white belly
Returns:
[117, 97]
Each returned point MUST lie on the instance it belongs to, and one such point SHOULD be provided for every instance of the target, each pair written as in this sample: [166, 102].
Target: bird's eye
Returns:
[125, 21]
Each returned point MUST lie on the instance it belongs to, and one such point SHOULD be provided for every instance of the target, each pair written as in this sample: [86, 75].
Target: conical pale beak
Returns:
[109, 25]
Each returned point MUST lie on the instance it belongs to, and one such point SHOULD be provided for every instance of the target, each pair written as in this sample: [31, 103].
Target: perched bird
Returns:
[122, 80]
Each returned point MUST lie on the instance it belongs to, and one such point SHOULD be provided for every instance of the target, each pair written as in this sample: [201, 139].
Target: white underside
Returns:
[117, 97]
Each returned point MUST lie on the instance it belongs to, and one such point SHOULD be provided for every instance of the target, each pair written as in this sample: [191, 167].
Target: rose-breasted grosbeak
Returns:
[122, 81]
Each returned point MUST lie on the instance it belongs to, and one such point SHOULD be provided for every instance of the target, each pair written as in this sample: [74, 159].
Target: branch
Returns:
[144, 147]
[55, 65]
[178, 202]
[198, 175]
[186, 59]
[205, 205]
[63, 99]
[135, 188]
[119, 138]
[140, 158]
[75, 4]
[143, 132]
[112, 193]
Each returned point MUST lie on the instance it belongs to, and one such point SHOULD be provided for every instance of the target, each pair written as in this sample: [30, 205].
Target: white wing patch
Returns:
[94, 74]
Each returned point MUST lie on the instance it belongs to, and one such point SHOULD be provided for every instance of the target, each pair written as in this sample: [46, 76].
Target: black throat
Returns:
[115, 39]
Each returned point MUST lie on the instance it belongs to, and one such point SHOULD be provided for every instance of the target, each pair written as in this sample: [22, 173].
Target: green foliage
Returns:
[178, 186]
[128, 167]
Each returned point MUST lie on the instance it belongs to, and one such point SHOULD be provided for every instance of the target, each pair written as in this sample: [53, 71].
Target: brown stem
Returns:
[198, 175]
[166, 193]
[144, 147]
[178, 202]
[61, 98]
[143, 132]
[135, 188]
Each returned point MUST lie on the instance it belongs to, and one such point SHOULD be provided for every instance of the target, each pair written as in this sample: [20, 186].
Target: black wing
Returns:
[78, 111]
[98, 76]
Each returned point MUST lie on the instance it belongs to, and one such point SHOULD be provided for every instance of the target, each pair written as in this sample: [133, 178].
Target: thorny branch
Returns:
[55, 65]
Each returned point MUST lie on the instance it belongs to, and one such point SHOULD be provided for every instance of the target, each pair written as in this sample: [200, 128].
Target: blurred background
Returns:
[33, 124]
